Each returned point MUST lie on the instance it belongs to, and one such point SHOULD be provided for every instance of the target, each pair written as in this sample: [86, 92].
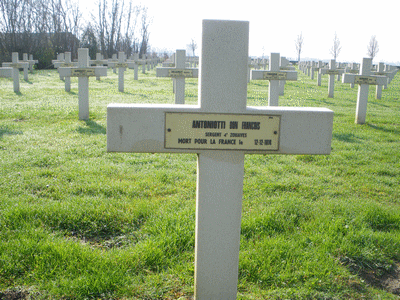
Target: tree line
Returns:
[45, 28]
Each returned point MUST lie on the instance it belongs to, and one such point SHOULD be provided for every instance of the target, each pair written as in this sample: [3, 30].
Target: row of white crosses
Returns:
[178, 75]
[275, 75]
[26, 64]
[221, 129]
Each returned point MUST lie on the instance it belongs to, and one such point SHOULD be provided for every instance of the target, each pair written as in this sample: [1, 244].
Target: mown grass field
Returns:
[77, 222]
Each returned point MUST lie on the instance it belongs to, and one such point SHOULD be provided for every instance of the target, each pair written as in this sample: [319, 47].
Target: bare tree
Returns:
[335, 50]
[373, 48]
[192, 47]
[299, 46]
[144, 33]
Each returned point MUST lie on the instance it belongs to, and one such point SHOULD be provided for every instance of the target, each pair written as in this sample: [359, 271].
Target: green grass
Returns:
[77, 222]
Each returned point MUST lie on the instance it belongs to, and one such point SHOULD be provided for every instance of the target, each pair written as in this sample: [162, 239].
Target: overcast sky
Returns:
[275, 25]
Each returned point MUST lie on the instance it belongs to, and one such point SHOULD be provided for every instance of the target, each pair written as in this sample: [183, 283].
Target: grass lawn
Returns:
[77, 222]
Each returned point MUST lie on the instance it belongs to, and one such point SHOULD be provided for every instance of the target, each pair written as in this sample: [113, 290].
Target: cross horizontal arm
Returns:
[273, 75]
[177, 73]
[19, 65]
[331, 72]
[141, 128]
[363, 79]
[77, 72]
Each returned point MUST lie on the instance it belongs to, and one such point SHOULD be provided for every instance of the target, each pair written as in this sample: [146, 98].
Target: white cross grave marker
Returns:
[83, 71]
[274, 75]
[121, 65]
[381, 68]
[221, 129]
[353, 69]
[26, 67]
[332, 71]
[179, 73]
[364, 79]
[285, 67]
[135, 66]
[32, 62]
[66, 62]
[99, 62]
[16, 65]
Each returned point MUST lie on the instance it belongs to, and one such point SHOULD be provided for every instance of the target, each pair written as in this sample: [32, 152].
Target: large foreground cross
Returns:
[221, 129]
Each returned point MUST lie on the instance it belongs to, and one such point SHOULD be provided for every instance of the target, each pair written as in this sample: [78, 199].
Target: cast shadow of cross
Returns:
[91, 128]
[5, 130]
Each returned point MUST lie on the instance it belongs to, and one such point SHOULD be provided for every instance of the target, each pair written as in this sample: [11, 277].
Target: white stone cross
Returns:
[16, 65]
[83, 71]
[26, 66]
[364, 79]
[135, 66]
[98, 62]
[285, 67]
[353, 69]
[32, 62]
[121, 65]
[332, 71]
[179, 73]
[221, 129]
[380, 71]
[274, 75]
[319, 75]
[66, 62]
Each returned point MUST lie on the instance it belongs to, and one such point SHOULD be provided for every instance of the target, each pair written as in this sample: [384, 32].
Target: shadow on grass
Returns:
[5, 130]
[346, 137]
[91, 128]
[383, 128]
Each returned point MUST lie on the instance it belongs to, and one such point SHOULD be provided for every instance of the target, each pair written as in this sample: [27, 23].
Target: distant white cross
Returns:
[274, 75]
[83, 72]
[16, 65]
[332, 71]
[178, 74]
[364, 79]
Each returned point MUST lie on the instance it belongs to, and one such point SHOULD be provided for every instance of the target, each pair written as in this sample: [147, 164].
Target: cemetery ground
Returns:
[77, 222]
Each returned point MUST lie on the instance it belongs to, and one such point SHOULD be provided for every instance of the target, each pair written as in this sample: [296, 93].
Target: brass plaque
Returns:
[365, 80]
[180, 73]
[122, 65]
[222, 131]
[16, 65]
[270, 75]
[332, 72]
[67, 65]
[82, 72]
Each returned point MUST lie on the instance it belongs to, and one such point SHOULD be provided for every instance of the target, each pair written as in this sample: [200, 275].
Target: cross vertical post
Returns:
[273, 88]
[83, 84]
[26, 67]
[331, 85]
[15, 71]
[68, 62]
[121, 70]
